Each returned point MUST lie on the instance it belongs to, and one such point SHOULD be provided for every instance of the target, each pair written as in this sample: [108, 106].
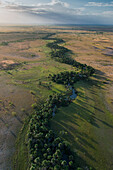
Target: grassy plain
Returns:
[89, 126]
[88, 121]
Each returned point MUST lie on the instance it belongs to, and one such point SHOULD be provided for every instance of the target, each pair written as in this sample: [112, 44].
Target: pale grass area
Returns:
[22, 51]
[101, 62]
[84, 51]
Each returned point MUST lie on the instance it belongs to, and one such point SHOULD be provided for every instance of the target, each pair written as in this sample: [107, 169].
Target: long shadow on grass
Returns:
[83, 103]
[8, 127]
[72, 118]
[105, 123]
[67, 120]
[75, 138]
[17, 117]
[84, 113]
[13, 133]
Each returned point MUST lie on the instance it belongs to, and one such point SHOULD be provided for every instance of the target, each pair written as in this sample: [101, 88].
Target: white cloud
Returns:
[55, 2]
[99, 4]
[4, 3]
[55, 6]
[108, 13]
[55, 11]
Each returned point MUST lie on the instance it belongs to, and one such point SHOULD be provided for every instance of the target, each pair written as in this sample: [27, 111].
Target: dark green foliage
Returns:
[70, 77]
[65, 77]
[45, 148]
[4, 43]
[59, 53]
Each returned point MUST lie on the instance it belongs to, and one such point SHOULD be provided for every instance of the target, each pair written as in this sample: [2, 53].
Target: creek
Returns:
[72, 97]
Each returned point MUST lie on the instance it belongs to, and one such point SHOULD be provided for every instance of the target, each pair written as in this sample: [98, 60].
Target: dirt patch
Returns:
[15, 106]
[8, 64]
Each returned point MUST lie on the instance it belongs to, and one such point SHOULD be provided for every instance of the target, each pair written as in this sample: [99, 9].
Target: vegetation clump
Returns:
[68, 78]
[46, 150]
[4, 43]
[59, 53]
[14, 114]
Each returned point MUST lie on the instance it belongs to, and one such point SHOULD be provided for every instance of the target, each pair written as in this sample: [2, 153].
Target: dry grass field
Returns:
[24, 63]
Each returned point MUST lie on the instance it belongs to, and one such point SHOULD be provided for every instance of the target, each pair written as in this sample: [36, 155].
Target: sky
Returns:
[42, 12]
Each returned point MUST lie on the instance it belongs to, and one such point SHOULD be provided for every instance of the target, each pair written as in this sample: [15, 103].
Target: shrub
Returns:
[14, 113]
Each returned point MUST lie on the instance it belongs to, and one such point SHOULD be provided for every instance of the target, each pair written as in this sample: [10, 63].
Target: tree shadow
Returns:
[69, 123]
[100, 110]
[14, 135]
[84, 113]
[78, 142]
[17, 117]
[100, 76]
[105, 123]
[27, 114]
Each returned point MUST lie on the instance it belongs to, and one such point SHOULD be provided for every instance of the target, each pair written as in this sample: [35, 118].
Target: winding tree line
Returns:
[46, 150]
[60, 54]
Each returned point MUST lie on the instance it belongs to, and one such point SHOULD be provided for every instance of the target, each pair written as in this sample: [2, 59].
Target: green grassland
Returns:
[36, 78]
[87, 122]
[88, 125]
[20, 159]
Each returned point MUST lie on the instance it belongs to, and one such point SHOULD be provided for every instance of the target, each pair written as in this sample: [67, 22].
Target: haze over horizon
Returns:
[56, 12]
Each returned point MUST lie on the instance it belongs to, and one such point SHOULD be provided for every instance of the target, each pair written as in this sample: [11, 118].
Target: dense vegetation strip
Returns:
[61, 54]
[46, 150]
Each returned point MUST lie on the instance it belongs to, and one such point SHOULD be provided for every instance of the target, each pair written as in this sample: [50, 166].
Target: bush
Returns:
[14, 113]
[4, 43]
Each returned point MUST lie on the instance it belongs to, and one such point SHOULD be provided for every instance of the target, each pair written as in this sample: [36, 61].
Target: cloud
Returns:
[55, 6]
[49, 4]
[99, 4]
[108, 13]
[53, 12]
[54, 2]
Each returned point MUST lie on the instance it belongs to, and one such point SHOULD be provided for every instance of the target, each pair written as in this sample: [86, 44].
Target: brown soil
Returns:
[12, 100]
[5, 64]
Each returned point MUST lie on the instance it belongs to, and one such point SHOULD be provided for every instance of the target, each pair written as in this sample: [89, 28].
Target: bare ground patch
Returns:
[8, 64]
[15, 105]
